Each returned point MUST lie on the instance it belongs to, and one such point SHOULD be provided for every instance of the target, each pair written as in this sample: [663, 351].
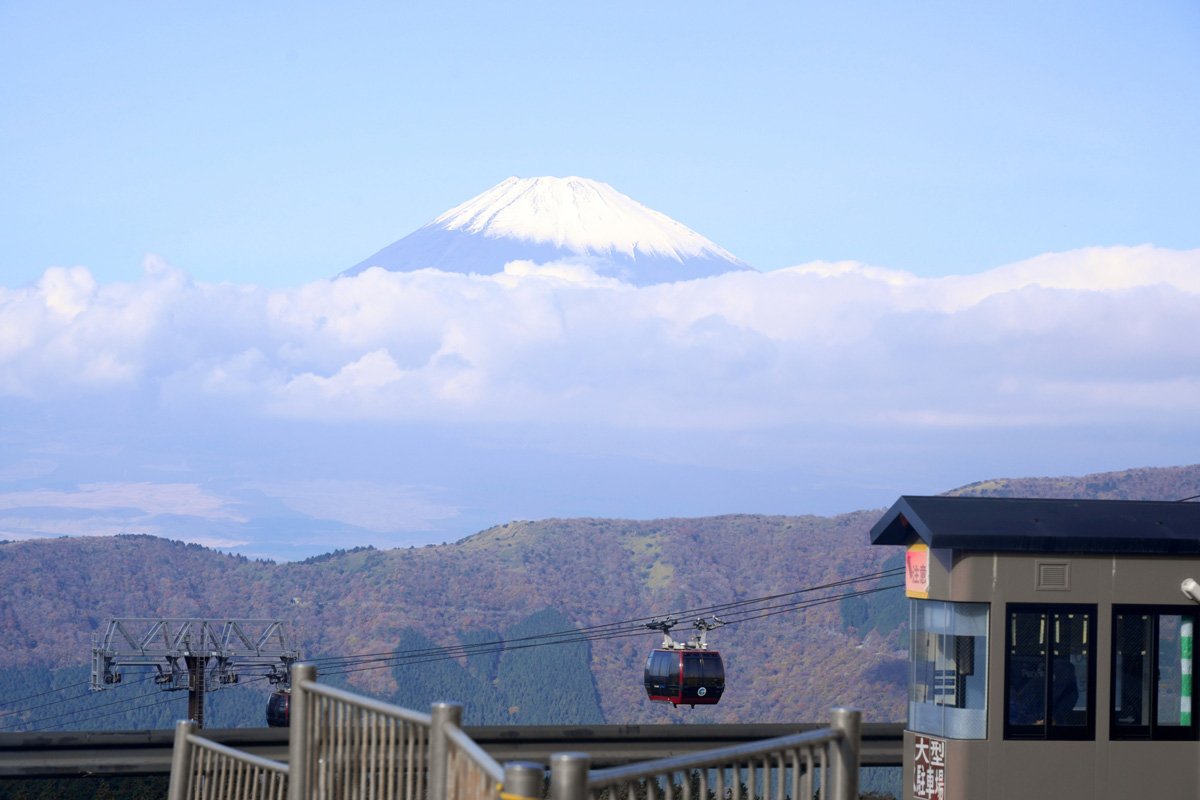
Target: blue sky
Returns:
[282, 142]
[978, 226]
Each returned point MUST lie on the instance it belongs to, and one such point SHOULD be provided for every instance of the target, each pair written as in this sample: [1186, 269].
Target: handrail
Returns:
[767, 765]
[485, 762]
[240, 755]
[711, 758]
[202, 769]
[366, 703]
[343, 746]
[471, 774]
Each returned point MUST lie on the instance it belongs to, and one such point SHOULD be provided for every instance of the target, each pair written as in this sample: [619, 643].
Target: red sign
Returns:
[929, 768]
[916, 572]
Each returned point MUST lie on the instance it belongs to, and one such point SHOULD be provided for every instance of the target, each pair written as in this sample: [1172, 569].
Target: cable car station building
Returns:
[1050, 651]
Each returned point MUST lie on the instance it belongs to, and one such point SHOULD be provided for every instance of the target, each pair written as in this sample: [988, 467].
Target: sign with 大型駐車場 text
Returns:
[929, 768]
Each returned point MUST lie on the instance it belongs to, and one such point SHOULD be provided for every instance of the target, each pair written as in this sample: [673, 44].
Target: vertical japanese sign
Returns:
[916, 571]
[929, 769]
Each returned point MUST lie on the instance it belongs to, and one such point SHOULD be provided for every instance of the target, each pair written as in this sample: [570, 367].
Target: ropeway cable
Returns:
[63, 714]
[48, 691]
[637, 621]
[44, 722]
[602, 632]
[412, 661]
[66, 699]
[441, 654]
[597, 633]
[43, 725]
[635, 626]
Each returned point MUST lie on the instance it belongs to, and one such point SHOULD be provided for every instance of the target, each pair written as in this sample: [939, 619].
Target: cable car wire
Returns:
[62, 714]
[48, 691]
[579, 634]
[44, 721]
[42, 726]
[123, 684]
[635, 626]
[442, 654]
[602, 632]
[635, 621]
[823, 601]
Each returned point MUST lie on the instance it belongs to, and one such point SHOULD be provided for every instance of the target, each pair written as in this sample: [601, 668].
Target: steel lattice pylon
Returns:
[199, 655]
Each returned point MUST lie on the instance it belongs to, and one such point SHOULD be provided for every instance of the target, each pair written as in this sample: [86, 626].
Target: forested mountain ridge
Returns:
[591, 571]
[1156, 483]
[789, 667]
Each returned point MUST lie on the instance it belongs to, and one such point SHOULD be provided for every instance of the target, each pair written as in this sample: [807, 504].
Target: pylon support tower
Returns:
[197, 655]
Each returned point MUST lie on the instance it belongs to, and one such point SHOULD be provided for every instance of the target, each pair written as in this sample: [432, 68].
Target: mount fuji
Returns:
[543, 220]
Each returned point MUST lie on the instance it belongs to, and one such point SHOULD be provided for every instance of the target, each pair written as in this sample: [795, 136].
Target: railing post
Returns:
[524, 779]
[181, 760]
[299, 732]
[846, 755]
[439, 753]
[569, 776]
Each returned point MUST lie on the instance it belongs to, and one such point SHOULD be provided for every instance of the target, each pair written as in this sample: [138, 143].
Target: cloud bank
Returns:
[398, 409]
[1099, 335]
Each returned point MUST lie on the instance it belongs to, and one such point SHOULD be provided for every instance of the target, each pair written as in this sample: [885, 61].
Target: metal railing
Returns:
[343, 746]
[786, 767]
[471, 774]
[202, 769]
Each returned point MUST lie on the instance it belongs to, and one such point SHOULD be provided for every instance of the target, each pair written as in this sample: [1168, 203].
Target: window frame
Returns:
[1047, 730]
[1152, 732]
[967, 717]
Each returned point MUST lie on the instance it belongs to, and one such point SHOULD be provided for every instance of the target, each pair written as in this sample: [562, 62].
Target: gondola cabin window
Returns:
[662, 674]
[1152, 673]
[948, 669]
[1050, 672]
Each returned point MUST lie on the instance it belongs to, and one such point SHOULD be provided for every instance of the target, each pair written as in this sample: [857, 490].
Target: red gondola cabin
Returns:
[685, 677]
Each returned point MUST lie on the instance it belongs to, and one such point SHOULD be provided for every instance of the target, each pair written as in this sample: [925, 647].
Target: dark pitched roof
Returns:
[1009, 524]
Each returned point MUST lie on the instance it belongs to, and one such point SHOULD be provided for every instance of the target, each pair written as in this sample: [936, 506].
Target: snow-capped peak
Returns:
[551, 220]
[580, 215]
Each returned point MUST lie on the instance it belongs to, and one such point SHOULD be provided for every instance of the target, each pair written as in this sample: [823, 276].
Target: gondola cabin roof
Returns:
[1009, 524]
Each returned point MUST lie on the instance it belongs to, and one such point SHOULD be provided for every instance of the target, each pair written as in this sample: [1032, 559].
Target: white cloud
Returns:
[1097, 334]
[148, 498]
[577, 272]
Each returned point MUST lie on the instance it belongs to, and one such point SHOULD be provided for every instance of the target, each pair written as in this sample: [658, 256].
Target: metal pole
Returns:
[524, 779]
[181, 761]
[299, 731]
[439, 753]
[846, 753]
[196, 679]
[569, 776]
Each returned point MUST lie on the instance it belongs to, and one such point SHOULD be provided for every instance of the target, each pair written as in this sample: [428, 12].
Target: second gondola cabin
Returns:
[279, 708]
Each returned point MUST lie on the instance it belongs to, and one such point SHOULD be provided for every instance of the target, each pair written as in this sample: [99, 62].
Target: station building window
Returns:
[947, 682]
[1050, 672]
[1152, 673]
